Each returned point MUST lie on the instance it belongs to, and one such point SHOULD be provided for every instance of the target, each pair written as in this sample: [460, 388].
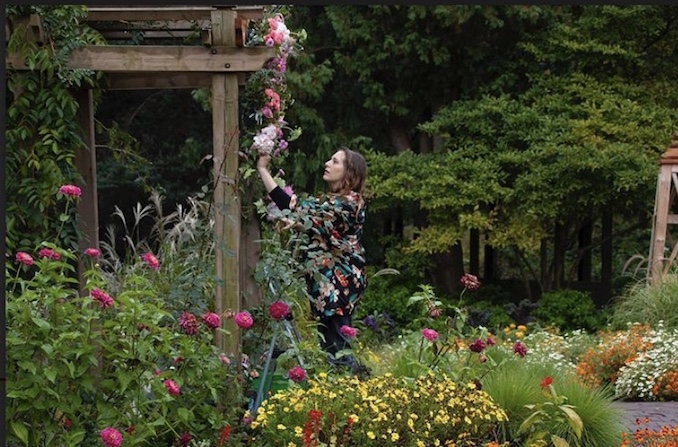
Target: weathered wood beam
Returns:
[149, 13]
[146, 81]
[159, 58]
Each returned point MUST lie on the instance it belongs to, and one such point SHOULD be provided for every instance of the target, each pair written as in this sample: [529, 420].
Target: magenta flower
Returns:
[244, 320]
[296, 374]
[429, 334]
[150, 259]
[111, 437]
[188, 323]
[477, 345]
[348, 331]
[211, 320]
[101, 296]
[278, 310]
[520, 349]
[172, 387]
[24, 258]
[70, 191]
[185, 439]
[92, 252]
[49, 254]
[490, 341]
[470, 282]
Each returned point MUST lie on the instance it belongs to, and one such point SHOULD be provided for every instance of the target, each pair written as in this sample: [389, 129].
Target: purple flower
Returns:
[520, 349]
[188, 323]
[371, 322]
[477, 345]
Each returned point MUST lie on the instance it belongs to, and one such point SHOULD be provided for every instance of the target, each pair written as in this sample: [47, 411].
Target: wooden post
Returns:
[225, 127]
[86, 163]
[667, 181]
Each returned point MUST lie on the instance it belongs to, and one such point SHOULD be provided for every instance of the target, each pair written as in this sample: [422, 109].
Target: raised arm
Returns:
[274, 191]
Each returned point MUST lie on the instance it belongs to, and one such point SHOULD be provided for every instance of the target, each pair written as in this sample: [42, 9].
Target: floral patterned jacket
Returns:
[335, 257]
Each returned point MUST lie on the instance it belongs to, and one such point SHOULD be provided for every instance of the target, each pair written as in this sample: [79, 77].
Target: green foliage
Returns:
[77, 366]
[569, 310]
[649, 304]
[42, 129]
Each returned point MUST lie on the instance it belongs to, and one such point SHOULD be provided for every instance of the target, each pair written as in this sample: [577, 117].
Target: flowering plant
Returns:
[266, 90]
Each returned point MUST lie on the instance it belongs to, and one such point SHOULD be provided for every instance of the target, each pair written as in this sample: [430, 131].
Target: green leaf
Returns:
[559, 442]
[573, 419]
[20, 431]
[531, 420]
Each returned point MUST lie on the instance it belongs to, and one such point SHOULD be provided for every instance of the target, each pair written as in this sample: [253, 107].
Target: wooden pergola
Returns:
[220, 62]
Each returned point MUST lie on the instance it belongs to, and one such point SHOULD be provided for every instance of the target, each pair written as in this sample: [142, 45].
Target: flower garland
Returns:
[269, 89]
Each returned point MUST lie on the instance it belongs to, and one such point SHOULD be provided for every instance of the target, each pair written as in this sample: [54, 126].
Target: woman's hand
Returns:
[263, 161]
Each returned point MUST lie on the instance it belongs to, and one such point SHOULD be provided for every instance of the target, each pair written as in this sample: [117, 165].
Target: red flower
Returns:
[546, 382]
[477, 345]
[223, 436]
[278, 310]
[296, 374]
[520, 349]
[184, 439]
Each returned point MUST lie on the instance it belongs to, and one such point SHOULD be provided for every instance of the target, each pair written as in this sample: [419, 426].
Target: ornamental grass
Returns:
[385, 410]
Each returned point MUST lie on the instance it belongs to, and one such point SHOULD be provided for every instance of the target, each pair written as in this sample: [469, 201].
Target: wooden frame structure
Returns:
[220, 62]
[665, 196]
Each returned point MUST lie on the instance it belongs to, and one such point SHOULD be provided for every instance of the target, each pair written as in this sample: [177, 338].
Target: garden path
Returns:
[659, 413]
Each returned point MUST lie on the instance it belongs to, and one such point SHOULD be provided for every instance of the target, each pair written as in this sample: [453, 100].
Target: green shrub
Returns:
[648, 304]
[568, 310]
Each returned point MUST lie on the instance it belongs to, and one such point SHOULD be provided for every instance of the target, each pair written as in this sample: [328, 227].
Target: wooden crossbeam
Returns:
[159, 58]
[150, 13]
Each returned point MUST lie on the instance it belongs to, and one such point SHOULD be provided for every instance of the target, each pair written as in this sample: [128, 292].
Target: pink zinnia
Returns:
[470, 281]
[211, 320]
[111, 437]
[188, 323]
[101, 296]
[49, 254]
[150, 259]
[172, 387]
[296, 374]
[92, 252]
[278, 310]
[70, 191]
[520, 349]
[244, 320]
[24, 258]
[429, 334]
[348, 331]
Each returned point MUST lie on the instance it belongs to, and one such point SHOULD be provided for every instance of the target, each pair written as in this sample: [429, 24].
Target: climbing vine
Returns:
[42, 133]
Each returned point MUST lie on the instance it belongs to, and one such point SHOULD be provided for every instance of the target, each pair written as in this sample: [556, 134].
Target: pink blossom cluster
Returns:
[92, 252]
[211, 320]
[520, 348]
[348, 331]
[24, 258]
[70, 190]
[188, 323]
[111, 437]
[172, 388]
[470, 282]
[101, 296]
[278, 310]
[429, 334]
[278, 34]
[49, 254]
[244, 320]
[150, 260]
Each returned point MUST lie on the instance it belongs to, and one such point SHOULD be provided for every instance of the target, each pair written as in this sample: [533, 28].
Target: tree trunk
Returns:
[448, 267]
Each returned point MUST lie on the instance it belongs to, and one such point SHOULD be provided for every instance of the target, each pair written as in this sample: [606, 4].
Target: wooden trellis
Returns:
[220, 62]
[665, 197]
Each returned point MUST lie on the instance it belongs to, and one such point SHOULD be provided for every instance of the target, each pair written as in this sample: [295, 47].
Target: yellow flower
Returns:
[522, 327]
[354, 418]
[371, 435]
[298, 431]
[281, 427]
[519, 334]
[395, 436]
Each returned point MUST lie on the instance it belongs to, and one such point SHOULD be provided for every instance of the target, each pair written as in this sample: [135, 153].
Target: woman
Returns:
[335, 256]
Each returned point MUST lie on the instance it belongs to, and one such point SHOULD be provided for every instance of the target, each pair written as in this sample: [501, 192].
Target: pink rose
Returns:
[244, 320]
